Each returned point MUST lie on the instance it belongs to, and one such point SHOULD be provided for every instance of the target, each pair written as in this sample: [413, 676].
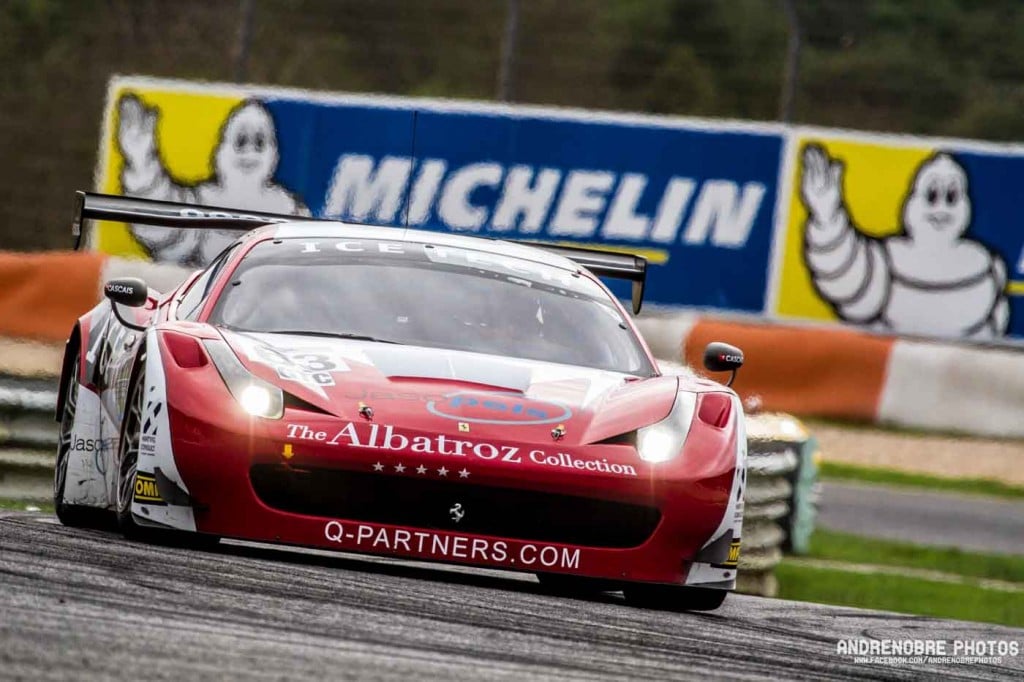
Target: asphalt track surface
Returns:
[968, 522]
[78, 604]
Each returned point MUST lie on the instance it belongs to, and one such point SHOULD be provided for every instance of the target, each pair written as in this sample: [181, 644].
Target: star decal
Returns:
[464, 473]
[442, 472]
[378, 467]
[421, 469]
[399, 467]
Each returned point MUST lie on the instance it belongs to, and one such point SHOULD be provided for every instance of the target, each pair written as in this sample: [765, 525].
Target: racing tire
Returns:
[128, 457]
[675, 597]
[127, 467]
[72, 515]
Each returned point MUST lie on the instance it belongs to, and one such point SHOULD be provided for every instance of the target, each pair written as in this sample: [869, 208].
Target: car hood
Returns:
[449, 391]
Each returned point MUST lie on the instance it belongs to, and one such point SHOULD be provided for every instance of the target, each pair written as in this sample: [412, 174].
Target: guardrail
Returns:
[780, 495]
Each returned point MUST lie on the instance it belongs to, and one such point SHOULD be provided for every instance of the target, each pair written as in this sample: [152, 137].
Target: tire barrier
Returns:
[781, 498]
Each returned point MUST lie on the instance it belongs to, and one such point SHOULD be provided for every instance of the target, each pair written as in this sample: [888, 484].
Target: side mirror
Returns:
[721, 357]
[129, 291]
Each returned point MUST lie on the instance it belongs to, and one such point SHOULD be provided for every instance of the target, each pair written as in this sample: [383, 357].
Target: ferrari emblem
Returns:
[287, 452]
[464, 427]
[456, 512]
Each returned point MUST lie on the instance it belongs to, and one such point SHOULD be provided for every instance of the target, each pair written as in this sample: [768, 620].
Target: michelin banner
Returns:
[906, 236]
[896, 235]
[697, 199]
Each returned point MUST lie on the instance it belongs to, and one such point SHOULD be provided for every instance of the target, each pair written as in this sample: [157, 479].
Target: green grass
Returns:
[911, 431]
[976, 486]
[22, 505]
[907, 594]
[899, 593]
[826, 544]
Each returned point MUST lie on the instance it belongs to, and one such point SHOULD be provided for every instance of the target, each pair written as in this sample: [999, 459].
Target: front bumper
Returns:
[316, 480]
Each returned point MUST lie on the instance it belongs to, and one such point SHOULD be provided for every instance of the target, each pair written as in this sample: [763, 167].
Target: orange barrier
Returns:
[824, 372]
[42, 294]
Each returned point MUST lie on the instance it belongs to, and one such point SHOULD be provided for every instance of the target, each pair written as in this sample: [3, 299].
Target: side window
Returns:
[192, 302]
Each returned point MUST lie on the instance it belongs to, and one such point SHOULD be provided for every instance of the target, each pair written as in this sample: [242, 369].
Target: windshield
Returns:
[428, 295]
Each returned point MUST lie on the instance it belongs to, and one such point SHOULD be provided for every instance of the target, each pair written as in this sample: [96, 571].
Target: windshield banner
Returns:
[697, 198]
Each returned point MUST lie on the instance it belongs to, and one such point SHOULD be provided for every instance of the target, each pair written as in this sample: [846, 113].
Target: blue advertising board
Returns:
[697, 199]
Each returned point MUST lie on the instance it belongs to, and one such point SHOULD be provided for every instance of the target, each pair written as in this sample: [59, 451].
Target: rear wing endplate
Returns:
[613, 264]
[92, 206]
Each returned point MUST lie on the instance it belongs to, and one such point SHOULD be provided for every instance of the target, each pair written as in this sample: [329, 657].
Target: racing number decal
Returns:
[306, 366]
[318, 367]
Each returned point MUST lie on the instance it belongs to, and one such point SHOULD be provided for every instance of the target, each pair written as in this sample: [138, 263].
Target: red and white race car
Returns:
[406, 393]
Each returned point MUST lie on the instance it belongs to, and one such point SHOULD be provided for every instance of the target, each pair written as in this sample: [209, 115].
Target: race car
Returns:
[407, 393]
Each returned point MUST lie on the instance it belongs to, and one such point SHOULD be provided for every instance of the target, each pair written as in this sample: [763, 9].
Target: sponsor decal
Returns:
[119, 289]
[152, 410]
[196, 213]
[734, 554]
[384, 437]
[362, 394]
[448, 546]
[95, 450]
[457, 512]
[287, 451]
[146, 491]
[79, 444]
[498, 408]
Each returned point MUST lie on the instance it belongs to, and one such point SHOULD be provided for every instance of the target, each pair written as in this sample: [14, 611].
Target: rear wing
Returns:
[92, 206]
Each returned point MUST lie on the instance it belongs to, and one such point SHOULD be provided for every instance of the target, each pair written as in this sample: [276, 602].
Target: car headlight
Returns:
[256, 396]
[662, 441]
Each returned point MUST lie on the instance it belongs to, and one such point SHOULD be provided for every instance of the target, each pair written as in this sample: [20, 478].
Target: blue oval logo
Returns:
[498, 408]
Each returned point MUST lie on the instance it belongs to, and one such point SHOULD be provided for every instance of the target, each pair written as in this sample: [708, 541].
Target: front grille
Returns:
[504, 512]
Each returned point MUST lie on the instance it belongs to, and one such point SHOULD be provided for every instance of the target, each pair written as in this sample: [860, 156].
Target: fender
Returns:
[72, 347]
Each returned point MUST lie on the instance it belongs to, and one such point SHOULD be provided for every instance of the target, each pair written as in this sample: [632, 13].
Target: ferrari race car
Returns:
[405, 393]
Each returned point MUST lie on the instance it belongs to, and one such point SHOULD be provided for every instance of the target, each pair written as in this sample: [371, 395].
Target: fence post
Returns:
[243, 40]
[791, 70]
[506, 66]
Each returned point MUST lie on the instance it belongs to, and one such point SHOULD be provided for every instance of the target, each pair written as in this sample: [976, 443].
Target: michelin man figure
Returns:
[243, 169]
[927, 280]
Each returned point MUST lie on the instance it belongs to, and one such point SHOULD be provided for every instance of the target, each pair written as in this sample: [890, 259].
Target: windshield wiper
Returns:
[332, 335]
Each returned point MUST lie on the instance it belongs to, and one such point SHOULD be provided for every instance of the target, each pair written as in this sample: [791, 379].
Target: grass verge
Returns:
[888, 591]
[899, 593]
[25, 505]
[835, 546]
[835, 471]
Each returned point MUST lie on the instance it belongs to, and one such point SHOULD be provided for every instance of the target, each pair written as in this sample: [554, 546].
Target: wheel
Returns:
[127, 469]
[76, 516]
[128, 457]
[675, 597]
